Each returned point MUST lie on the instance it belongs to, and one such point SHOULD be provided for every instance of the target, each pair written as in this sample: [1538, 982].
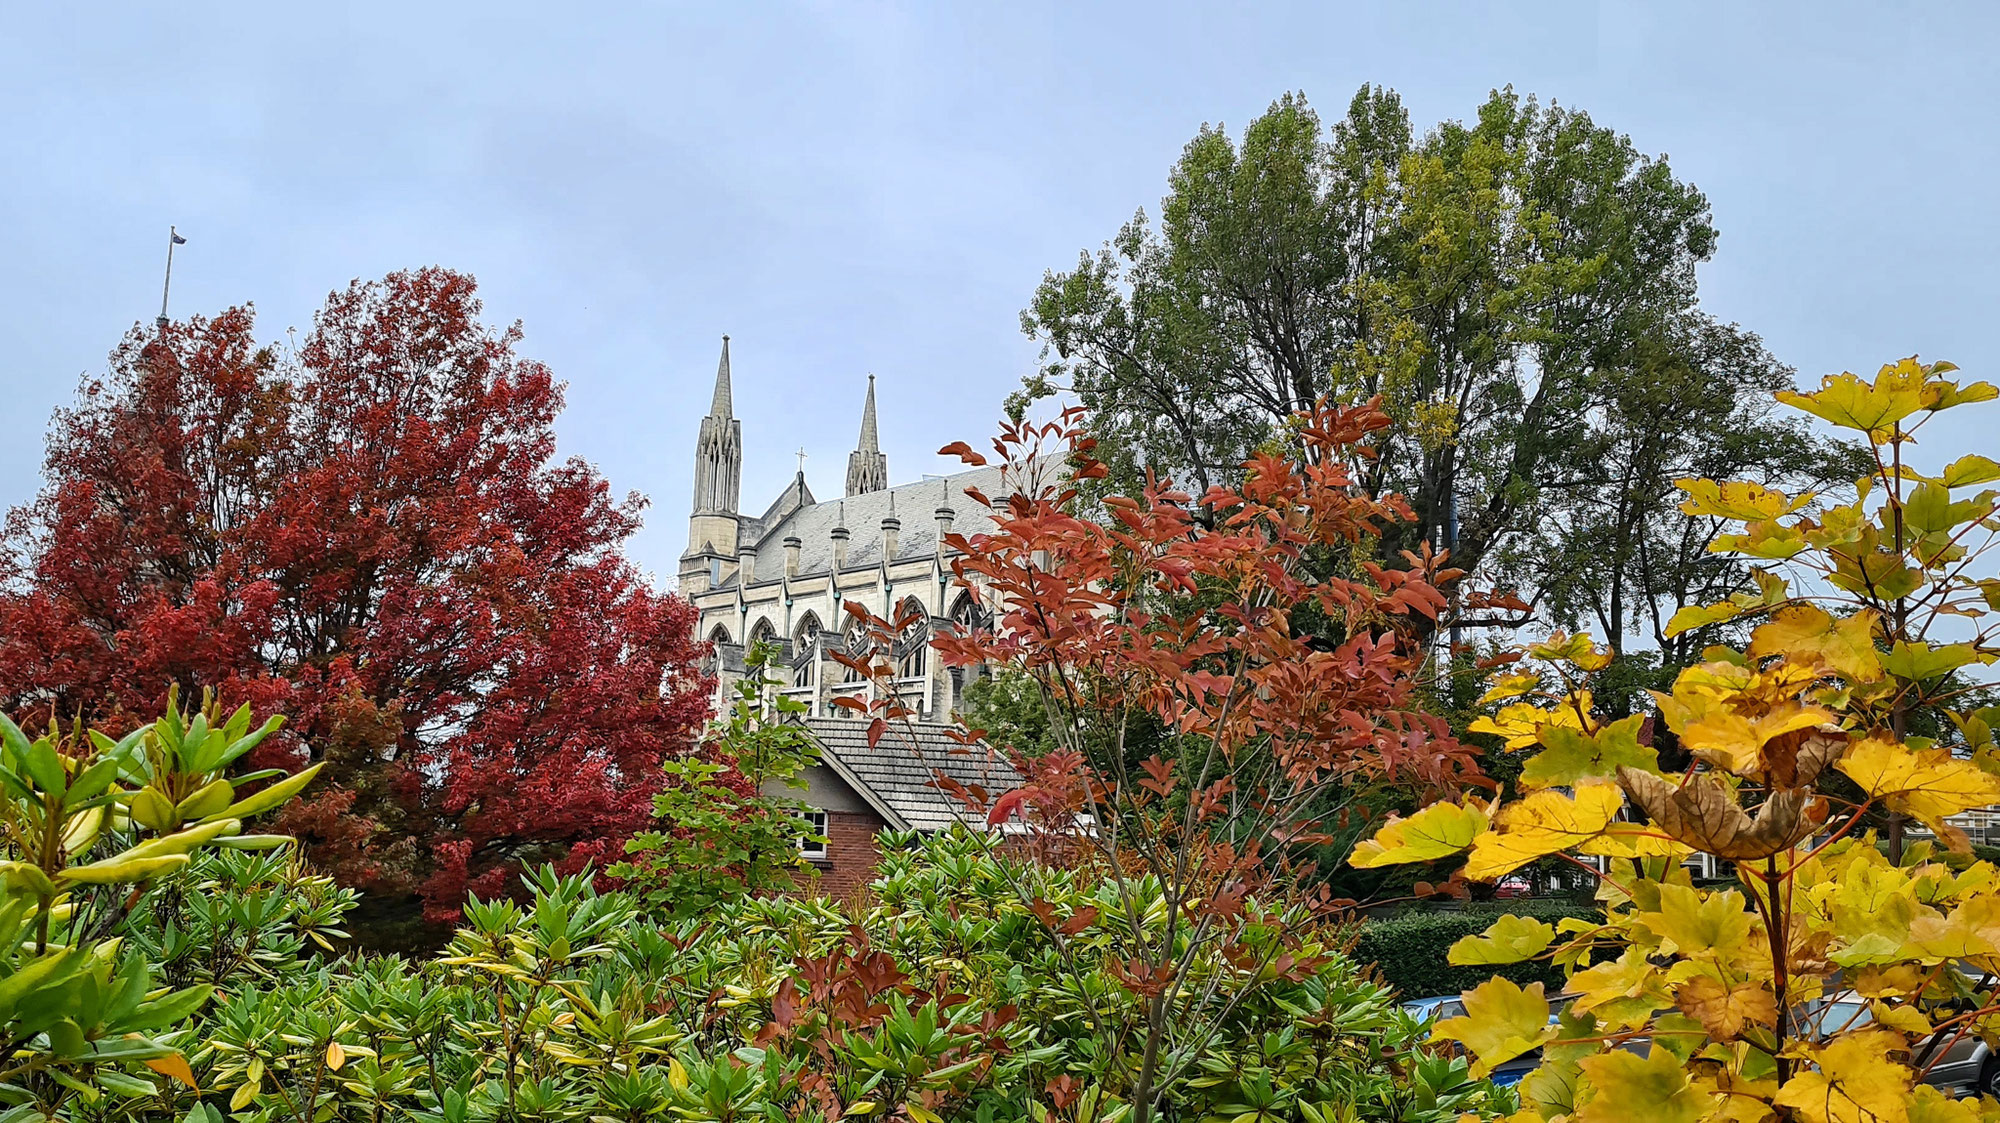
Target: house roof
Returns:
[899, 772]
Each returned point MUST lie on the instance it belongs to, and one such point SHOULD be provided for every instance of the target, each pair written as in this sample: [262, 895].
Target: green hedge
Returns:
[1411, 950]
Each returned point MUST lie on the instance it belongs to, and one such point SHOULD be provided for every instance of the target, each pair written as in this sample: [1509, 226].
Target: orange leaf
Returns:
[176, 1066]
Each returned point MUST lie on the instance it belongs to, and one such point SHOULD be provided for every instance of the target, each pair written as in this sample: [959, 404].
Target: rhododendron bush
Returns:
[1829, 978]
[369, 533]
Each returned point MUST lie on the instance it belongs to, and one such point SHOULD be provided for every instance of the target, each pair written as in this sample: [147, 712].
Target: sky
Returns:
[848, 188]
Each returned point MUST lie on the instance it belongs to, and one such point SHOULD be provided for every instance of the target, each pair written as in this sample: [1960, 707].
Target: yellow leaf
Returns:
[1724, 1010]
[1544, 823]
[1744, 502]
[1620, 992]
[1438, 831]
[1502, 1021]
[176, 1066]
[1521, 724]
[1700, 616]
[1806, 633]
[335, 1056]
[677, 1075]
[1928, 1105]
[1929, 785]
[1872, 408]
[1902, 1017]
[1631, 1089]
[1692, 922]
[1508, 686]
[1511, 939]
[241, 1099]
[1851, 1080]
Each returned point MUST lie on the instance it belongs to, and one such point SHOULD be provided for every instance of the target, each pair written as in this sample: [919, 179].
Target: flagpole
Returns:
[173, 238]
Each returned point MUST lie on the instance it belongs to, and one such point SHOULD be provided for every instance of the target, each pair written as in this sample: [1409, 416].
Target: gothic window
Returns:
[716, 639]
[853, 642]
[763, 632]
[913, 643]
[805, 650]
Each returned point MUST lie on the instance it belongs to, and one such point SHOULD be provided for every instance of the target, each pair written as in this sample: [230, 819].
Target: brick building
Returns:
[858, 791]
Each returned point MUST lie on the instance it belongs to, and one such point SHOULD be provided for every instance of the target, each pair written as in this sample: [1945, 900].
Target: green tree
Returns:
[1520, 292]
[723, 832]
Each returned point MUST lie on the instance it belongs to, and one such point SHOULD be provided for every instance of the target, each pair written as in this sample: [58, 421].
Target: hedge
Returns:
[1411, 950]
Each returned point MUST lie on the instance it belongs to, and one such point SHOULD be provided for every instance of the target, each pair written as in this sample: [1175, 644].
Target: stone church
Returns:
[785, 574]
[783, 577]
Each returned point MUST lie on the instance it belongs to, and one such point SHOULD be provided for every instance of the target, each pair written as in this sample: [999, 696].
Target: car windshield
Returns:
[1839, 1017]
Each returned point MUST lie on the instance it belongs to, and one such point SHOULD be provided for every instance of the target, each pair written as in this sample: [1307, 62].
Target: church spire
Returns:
[867, 466]
[718, 450]
[723, 407]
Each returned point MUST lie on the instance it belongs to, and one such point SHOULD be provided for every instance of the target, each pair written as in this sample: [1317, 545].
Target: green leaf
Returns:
[1968, 471]
[1571, 756]
[167, 1009]
[43, 970]
[1920, 662]
[272, 796]
[121, 870]
[209, 799]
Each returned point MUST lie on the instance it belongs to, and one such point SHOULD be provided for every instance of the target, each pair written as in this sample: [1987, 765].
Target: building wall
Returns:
[851, 855]
[732, 615]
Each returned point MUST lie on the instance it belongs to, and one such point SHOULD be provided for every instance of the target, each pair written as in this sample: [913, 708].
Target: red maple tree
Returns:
[1226, 678]
[369, 533]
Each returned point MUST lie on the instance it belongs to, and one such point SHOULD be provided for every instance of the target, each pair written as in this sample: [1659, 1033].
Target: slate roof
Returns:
[915, 505]
[899, 774]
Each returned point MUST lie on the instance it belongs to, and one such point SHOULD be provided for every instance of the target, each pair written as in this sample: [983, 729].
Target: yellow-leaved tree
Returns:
[1836, 975]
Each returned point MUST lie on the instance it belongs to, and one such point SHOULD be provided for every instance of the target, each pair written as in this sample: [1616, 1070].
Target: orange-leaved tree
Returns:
[1224, 677]
[1831, 978]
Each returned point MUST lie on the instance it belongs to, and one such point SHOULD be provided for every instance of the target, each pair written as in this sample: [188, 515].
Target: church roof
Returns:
[914, 505]
[900, 771]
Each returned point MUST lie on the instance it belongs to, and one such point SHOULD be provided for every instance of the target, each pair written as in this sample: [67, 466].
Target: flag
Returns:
[179, 241]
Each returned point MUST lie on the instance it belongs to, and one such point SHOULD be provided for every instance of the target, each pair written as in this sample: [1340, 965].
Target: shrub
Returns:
[943, 1000]
[1411, 950]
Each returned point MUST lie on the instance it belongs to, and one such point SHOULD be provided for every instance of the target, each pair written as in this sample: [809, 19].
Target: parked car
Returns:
[1967, 1066]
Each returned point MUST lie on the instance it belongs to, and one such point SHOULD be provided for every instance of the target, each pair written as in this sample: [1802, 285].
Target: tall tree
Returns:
[371, 534]
[1514, 288]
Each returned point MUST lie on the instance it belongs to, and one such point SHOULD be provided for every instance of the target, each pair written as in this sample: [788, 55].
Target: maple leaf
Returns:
[1723, 1010]
[1691, 922]
[1852, 1080]
[1510, 939]
[1744, 502]
[1572, 755]
[1520, 725]
[1438, 831]
[1502, 1021]
[1633, 1089]
[1806, 632]
[1703, 813]
[1544, 823]
[1873, 408]
[1928, 785]
[1699, 616]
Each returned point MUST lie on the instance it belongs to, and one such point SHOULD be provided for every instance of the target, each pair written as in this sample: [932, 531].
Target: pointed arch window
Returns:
[914, 641]
[805, 650]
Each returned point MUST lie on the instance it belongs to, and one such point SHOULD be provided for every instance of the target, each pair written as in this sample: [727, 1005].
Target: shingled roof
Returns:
[897, 775]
